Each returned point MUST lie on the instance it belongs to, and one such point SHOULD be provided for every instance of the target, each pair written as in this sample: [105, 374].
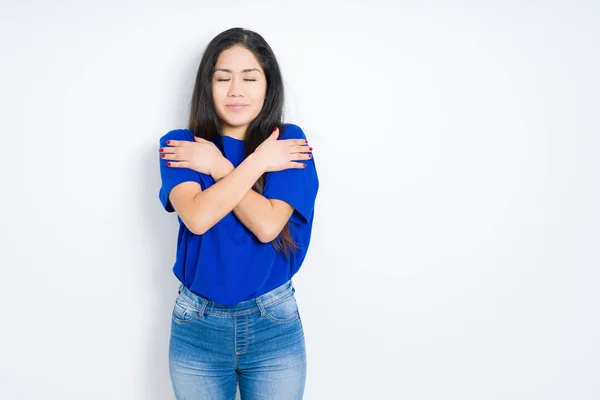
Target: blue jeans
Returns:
[257, 343]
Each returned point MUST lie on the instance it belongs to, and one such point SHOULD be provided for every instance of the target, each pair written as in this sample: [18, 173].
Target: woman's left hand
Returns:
[202, 155]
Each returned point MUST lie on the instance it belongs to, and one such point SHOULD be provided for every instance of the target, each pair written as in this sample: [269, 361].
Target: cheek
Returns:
[258, 96]
[219, 103]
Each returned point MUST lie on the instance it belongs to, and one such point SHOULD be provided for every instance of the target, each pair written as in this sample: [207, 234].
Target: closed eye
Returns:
[226, 80]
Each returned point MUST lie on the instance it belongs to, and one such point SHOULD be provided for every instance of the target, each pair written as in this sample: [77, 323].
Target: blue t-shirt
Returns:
[228, 264]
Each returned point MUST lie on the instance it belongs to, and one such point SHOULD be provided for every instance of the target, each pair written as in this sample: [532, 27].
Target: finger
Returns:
[301, 156]
[172, 156]
[167, 150]
[178, 143]
[302, 149]
[297, 165]
[274, 135]
[171, 150]
[180, 164]
[298, 142]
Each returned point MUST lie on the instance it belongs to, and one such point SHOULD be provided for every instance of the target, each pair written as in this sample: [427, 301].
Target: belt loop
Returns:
[202, 308]
[260, 306]
[180, 287]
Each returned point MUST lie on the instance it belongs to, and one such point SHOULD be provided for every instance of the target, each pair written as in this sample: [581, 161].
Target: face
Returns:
[239, 87]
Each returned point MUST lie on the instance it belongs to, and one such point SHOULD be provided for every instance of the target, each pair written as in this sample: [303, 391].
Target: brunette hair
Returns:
[205, 123]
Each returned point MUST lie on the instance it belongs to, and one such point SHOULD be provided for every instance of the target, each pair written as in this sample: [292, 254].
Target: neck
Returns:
[237, 132]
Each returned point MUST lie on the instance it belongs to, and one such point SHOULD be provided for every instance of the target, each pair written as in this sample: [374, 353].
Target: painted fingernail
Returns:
[274, 129]
[310, 148]
[303, 165]
[310, 156]
[162, 155]
[306, 141]
[168, 164]
[161, 150]
[168, 142]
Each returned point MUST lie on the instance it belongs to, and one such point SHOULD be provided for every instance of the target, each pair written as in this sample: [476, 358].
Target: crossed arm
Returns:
[200, 210]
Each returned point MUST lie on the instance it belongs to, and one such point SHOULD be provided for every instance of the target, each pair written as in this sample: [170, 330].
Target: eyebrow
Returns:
[228, 70]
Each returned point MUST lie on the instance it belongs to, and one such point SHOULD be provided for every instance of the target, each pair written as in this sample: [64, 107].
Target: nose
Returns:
[236, 87]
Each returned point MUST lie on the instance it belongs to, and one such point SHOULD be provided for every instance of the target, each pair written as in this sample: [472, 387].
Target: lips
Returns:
[237, 106]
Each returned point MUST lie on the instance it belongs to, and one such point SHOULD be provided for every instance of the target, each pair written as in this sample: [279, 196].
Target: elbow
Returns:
[198, 230]
[194, 228]
[267, 235]
[265, 239]
[197, 226]
[196, 222]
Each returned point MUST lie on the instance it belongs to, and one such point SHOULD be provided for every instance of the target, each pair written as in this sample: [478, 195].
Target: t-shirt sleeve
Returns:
[296, 186]
[170, 176]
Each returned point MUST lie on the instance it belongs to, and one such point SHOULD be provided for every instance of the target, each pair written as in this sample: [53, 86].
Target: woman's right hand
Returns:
[277, 155]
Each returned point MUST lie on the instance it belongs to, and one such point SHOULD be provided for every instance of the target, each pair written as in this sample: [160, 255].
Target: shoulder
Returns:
[176, 134]
[292, 131]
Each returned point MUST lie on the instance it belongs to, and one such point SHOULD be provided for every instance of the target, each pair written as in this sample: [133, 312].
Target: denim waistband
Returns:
[244, 307]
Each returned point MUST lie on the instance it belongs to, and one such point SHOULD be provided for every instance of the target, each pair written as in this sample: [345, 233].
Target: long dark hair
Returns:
[205, 123]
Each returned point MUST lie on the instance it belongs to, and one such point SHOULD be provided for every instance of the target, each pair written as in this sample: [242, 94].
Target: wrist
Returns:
[256, 162]
[223, 168]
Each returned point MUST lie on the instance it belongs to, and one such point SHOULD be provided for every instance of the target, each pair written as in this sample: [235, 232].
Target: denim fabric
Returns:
[258, 344]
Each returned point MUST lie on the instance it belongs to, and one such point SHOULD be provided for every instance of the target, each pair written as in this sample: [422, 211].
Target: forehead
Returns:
[237, 59]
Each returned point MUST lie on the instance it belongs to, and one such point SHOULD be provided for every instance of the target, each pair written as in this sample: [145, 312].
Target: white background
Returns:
[455, 244]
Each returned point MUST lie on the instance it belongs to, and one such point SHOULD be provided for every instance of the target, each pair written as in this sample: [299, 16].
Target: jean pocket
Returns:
[285, 310]
[184, 310]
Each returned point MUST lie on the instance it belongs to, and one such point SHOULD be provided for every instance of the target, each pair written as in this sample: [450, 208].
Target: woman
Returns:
[244, 193]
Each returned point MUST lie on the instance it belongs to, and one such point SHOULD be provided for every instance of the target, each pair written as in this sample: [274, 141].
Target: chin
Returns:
[236, 123]
[239, 121]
